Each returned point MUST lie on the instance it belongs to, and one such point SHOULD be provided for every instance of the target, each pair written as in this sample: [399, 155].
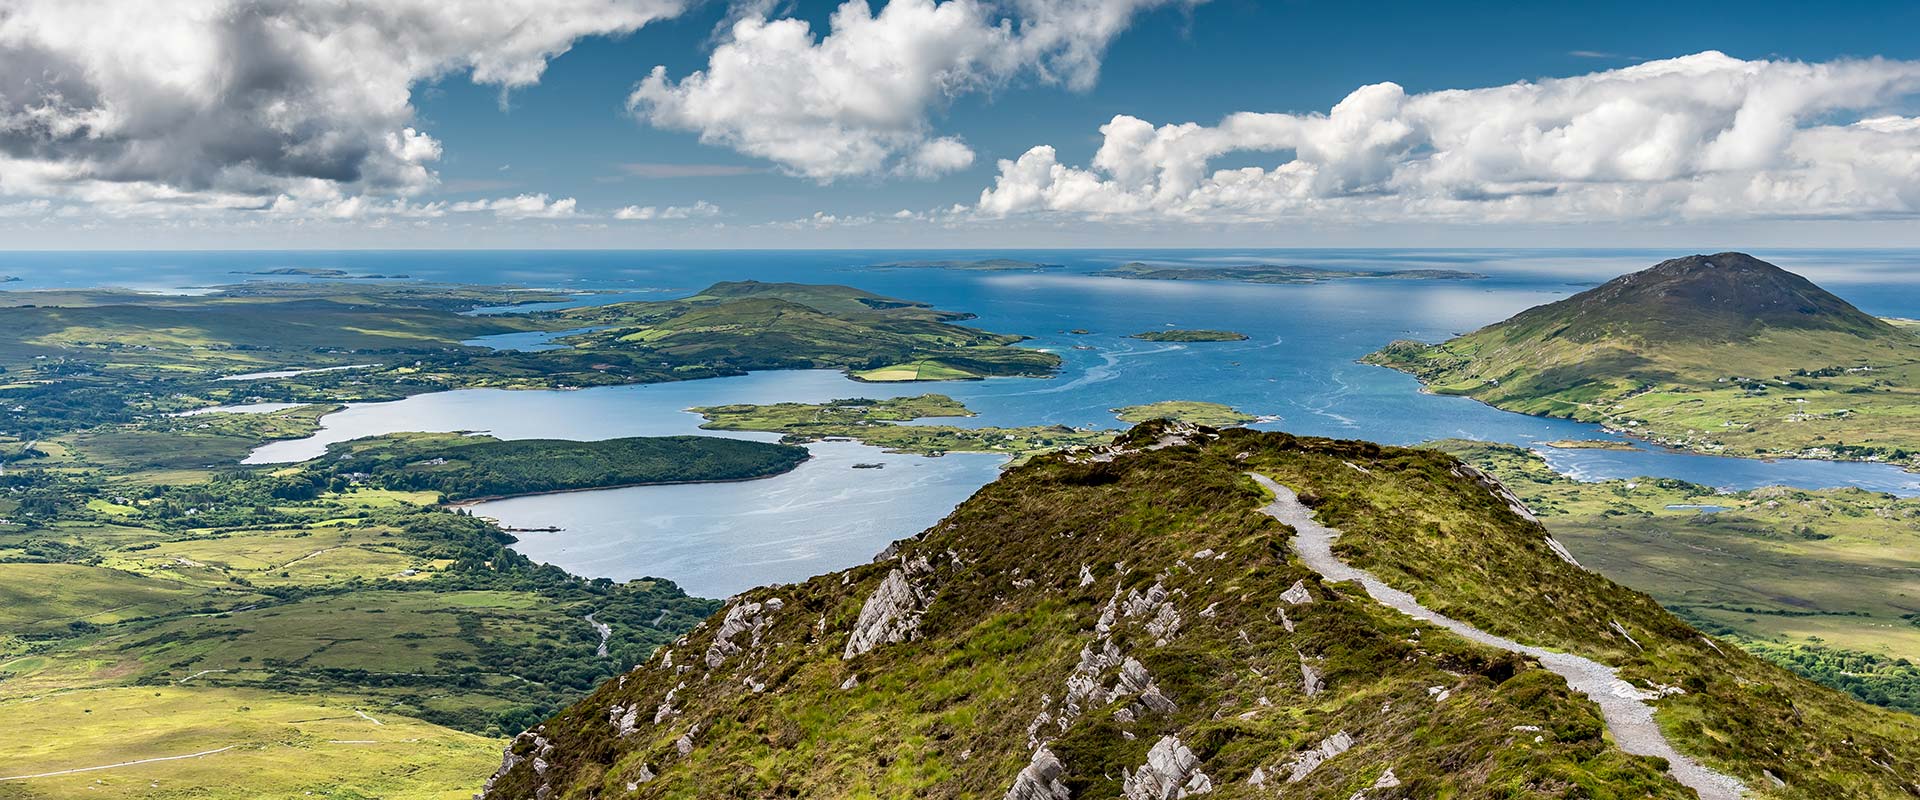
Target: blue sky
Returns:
[528, 131]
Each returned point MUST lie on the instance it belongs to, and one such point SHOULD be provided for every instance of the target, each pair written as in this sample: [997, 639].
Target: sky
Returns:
[213, 124]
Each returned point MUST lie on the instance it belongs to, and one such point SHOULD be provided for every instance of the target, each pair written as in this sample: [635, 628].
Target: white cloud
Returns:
[1702, 136]
[858, 101]
[526, 206]
[234, 103]
[700, 208]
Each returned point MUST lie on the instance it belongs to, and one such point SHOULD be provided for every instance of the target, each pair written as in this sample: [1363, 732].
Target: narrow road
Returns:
[606, 632]
[1622, 705]
[119, 765]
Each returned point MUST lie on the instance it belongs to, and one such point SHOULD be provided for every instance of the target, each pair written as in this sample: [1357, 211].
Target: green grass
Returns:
[1834, 572]
[49, 597]
[281, 747]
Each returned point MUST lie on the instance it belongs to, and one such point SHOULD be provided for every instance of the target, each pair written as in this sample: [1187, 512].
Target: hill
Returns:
[1723, 353]
[1148, 620]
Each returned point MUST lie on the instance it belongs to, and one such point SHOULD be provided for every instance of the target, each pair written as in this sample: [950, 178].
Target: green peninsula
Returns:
[1198, 335]
[1276, 273]
[1723, 354]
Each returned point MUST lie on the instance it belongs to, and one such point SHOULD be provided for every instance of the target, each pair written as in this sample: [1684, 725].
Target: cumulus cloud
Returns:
[234, 103]
[858, 101]
[1704, 135]
[526, 206]
[700, 208]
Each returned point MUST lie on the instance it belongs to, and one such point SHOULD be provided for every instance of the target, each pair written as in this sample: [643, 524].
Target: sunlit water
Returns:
[1298, 366]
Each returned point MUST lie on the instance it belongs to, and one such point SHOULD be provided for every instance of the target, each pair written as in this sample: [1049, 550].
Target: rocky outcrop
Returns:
[1172, 771]
[1305, 763]
[892, 613]
[742, 618]
[1499, 490]
[1040, 780]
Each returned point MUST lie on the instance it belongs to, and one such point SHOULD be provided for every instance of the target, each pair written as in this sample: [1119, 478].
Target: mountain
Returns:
[1723, 353]
[1178, 614]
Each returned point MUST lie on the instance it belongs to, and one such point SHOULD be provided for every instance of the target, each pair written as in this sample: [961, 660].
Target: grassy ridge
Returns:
[1016, 583]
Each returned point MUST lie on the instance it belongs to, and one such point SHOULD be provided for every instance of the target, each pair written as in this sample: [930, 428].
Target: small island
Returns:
[1590, 444]
[1213, 415]
[318, 273]
[1276, 273]
[873, 422]
[465, 469]
[982, 265]
[1190, 335]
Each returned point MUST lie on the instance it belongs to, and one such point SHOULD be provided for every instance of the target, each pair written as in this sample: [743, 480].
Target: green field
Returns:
[1827, 581]
[256, 744]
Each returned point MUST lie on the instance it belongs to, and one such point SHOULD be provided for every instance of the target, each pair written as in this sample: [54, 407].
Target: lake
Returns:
[1298, 366]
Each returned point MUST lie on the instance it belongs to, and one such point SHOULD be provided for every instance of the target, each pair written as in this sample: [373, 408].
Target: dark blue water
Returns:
[1299, 365]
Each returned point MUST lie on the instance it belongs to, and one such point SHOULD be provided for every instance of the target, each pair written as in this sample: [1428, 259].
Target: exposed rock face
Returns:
[1499, 490]
[1305, 763]
[1561, 551]
[1172, 771]
[624, 719]
[892, 613]
[1040, 780]
[1296, 594]
[1310, 681]
[740, 619]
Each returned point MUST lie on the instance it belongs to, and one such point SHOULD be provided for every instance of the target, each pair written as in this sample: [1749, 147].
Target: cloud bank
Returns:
[1701, 136]
[859, 101]
[232, 103]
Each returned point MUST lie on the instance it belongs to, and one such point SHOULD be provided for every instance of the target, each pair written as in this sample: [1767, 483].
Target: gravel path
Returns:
[119, 765]
[1622, 705]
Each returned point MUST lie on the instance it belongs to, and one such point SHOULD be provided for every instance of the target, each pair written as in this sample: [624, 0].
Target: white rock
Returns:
[1305, 763]
[891, 614]
[1172, 771]
[1040, 780]
[1297, 594]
